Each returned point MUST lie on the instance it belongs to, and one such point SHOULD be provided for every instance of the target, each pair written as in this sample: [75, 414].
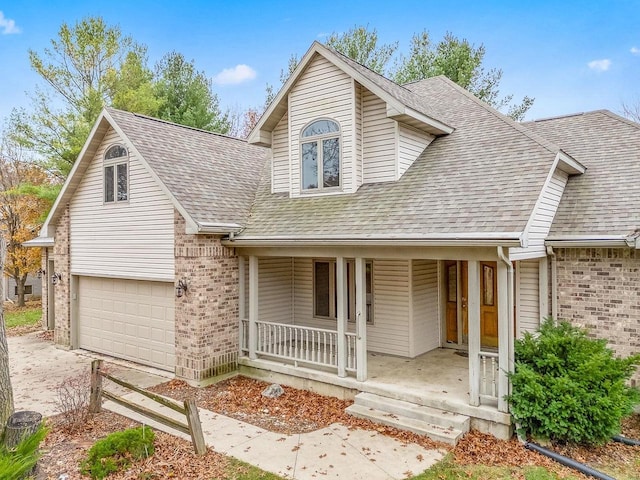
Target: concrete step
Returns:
[434, 416]
[434, 432]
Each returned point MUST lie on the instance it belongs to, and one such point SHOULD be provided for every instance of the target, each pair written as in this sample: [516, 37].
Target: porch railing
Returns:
[299, 344]
[489, 369]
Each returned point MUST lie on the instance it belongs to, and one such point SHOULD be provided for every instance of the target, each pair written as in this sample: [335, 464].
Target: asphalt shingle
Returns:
[606, 199]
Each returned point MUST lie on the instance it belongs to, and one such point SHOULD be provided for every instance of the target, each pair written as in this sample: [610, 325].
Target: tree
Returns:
[22, 209]
[6, 392]
[186, 95]
[631, 111]
[361, 45]
[78, 72]
[457, 59]
[461, 62]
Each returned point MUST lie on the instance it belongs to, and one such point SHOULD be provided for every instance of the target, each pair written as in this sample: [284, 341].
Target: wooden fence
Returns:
[189, 409]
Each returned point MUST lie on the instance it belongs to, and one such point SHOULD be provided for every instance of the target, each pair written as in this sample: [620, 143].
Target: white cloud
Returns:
[600, 65]
[7, 25]
[233, 76]
[635, 50]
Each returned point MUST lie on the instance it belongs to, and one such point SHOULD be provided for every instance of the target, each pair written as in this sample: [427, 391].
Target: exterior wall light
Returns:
[40, 273]
[181, 288]
[56, 278]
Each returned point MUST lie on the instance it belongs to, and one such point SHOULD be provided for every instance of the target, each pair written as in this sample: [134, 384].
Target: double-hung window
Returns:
[320, 153]
[116, 174]
[325, 303]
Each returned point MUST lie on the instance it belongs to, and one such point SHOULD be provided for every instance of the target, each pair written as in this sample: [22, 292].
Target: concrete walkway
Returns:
[37, 368]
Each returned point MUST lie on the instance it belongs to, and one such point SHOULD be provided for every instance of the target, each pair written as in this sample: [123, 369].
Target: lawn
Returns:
[23, 319]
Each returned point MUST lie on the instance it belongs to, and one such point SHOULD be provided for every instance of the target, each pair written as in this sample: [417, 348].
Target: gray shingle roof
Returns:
[485, 177]
[213, 177]
[606, 199]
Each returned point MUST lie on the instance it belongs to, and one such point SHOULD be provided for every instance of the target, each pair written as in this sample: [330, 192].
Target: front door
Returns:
[456, 310]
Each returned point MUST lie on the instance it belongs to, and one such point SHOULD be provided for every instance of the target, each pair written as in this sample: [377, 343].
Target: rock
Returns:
[63, 476]
[273, 391]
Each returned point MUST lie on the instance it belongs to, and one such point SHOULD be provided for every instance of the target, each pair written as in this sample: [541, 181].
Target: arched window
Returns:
[320, 153]
[116, 174]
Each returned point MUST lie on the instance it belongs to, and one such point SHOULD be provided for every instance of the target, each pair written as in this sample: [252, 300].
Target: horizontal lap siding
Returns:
[379, 140]
[411, 144]
[133, 239]
[543, 218]
[390, 331]
[280, 155]
[322, 91]
[528, 301]
[426, 324]
[275, 279]
[358, 136]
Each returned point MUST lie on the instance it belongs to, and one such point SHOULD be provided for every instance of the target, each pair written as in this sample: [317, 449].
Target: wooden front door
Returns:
[456, 302]
[456, 277]
[488, 304]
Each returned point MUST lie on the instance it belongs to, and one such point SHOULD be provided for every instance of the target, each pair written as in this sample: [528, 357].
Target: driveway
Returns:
[38, 368]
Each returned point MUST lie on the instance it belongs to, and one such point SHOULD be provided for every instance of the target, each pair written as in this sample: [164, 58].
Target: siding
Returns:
[542, 218]
[379, 140]
[322, 91]
[280, 156]
[411, 143]
[424, 291]
[528, 299]
[275, 290]
[390, 331]
[131, 240]
[357, 181]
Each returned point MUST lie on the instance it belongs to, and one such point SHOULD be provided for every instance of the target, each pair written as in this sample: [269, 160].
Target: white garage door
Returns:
[128, 319]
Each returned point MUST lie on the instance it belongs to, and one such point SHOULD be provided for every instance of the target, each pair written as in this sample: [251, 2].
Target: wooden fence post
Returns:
[195, 428]
[95, 401]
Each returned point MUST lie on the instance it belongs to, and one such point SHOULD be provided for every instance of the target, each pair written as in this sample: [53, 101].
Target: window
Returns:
[324, 290]
[320, 153]
[116, 179]
[28, 290]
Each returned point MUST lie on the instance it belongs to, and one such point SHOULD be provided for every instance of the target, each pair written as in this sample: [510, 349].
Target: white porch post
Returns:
[505, 333]
[242, 291]
[361, 319]
[473, 303]
[341, 314]
[253, 306]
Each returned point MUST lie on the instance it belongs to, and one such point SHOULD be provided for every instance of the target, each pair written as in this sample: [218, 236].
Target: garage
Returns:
[129, 319]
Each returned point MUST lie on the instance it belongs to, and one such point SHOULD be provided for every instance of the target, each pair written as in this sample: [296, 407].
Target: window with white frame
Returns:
[116, 174]
[320, 154]
[325, 304]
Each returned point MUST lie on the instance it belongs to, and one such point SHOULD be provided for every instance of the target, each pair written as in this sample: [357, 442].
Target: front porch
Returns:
[369, 324]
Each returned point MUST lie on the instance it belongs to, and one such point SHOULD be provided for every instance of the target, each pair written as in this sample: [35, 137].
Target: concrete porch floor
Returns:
[438, 379]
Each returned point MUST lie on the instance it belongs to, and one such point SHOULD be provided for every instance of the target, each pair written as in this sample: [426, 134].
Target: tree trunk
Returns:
[6, 392]
[20, 281]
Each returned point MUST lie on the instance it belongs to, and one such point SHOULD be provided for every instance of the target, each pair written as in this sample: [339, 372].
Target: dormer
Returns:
[336, 125]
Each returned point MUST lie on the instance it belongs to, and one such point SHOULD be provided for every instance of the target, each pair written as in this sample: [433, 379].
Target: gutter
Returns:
[591, 241]
[218, 228]
[507, 239]
[39, 242]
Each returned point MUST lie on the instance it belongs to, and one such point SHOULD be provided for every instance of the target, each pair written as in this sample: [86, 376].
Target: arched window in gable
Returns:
[320, 155]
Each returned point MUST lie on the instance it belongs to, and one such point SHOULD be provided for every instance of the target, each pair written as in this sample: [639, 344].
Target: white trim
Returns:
[473, 306]
[570, 165]
[39, 242]
[587, 241]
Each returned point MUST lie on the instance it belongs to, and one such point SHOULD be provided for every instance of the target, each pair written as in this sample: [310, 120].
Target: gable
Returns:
[132, 238]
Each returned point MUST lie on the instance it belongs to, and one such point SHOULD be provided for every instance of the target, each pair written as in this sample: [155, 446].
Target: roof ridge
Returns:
[603, 111]
[540, 140]
[167, 122]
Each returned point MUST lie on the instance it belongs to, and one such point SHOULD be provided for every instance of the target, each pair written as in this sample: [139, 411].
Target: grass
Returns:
[238, 470]
[22, 317]
[447, 469]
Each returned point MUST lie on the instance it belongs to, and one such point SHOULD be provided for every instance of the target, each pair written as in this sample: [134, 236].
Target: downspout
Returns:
[554, 282]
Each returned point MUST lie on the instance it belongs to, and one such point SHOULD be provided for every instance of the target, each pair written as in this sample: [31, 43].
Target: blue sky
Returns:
[572, 56]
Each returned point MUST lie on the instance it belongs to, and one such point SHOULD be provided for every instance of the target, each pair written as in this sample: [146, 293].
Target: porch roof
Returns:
[480, 180]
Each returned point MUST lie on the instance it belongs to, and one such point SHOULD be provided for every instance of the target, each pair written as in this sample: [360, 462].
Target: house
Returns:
[32, 288]
[369, 238]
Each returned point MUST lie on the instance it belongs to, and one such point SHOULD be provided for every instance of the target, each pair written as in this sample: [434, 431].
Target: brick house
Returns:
[367, 237]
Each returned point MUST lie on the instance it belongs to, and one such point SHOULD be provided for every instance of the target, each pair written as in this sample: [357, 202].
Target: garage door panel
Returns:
[129, 319]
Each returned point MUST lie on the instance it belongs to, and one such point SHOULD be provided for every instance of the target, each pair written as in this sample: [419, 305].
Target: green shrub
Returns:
[568, 387]
[116, 452]
[18, 462]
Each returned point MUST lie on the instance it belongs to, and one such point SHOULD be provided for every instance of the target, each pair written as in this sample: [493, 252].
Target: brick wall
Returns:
[599, 289]
[62, 260]
[207, 315]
